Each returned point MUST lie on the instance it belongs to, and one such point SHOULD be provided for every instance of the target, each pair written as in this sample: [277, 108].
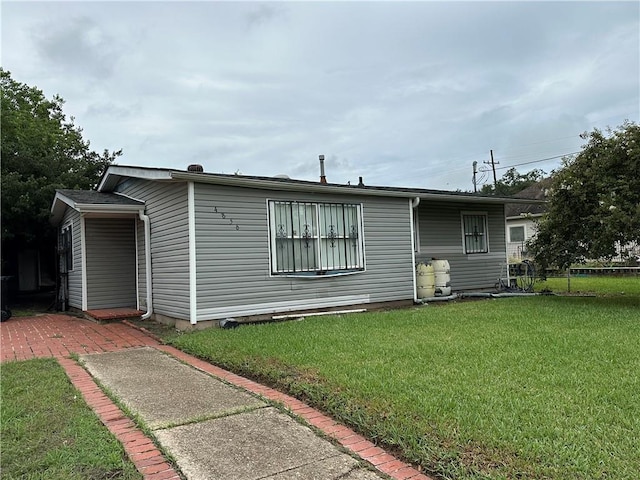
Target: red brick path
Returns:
[60, 335]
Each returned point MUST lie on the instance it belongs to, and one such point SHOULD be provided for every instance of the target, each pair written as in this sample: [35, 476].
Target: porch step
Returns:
[108, 315]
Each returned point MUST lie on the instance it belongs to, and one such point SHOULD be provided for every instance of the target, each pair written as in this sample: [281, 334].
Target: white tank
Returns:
[425, 281]
[442, 276]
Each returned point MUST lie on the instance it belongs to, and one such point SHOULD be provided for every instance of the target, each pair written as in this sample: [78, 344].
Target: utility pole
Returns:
[493, 166]
[475, 171]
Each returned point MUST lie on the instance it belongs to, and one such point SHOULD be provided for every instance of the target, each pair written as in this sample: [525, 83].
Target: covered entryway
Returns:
[101, 247]
[111, 262]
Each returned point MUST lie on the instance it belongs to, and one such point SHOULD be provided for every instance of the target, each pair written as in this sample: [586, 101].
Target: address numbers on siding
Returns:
[225, 217]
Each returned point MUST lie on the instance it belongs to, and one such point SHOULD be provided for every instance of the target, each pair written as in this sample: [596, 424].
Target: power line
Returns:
[538, 161]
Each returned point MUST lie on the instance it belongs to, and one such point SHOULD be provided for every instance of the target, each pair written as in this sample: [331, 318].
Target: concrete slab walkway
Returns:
[214, 423]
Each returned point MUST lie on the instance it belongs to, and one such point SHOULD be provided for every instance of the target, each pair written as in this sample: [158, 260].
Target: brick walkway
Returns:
[60, 335]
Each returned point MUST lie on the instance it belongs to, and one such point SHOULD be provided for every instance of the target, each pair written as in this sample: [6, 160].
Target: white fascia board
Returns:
[266, 184]
[525, 216]
[107, 208]
[60, 202]
[62, 198]
[115, 172]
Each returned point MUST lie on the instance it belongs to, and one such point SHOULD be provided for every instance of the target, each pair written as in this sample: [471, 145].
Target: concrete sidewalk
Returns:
[215, 424]
[215, 430]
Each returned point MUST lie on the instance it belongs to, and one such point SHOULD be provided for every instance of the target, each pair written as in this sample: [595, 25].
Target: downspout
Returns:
[147, 259]
[506, 243]
[413, 204]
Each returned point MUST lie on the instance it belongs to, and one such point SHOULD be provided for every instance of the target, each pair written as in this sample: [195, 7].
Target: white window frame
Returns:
[317, 238]
[465, 234]
[68, 226]
[524, 233]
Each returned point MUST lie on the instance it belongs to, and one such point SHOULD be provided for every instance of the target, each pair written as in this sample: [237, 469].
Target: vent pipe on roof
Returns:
[323, 179]
[360, 182]
[195, 167]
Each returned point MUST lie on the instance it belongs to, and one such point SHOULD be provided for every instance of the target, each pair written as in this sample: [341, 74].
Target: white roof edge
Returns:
[63, 198]
[267, 184]
[338, 189]
[114, 172]
[524, 216]
[106, 207]
[57, 210]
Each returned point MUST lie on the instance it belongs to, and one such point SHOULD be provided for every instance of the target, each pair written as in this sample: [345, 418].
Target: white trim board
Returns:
[284, 306]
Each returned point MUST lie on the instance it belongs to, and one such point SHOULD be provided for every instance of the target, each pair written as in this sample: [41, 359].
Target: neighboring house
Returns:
[522, 218]
[191, 247]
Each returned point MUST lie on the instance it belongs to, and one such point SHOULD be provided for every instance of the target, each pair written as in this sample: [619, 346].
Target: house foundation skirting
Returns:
[182, 324]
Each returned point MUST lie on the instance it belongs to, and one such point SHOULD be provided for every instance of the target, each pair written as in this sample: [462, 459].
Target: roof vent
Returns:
[323, 179]
[195, 167]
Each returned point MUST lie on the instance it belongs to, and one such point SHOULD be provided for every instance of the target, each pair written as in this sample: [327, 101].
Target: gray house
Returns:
[189, 247]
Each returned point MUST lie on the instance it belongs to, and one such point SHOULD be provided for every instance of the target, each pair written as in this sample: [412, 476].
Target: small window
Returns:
[315, 238]
[66, 248]
[474, 230]
[516, 234]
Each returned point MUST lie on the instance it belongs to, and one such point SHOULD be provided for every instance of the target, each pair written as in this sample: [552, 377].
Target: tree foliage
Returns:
[512, 182]
[594, 201]
[42, 150]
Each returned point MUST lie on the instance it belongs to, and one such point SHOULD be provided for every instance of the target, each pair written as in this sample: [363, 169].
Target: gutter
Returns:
[313, 187]
[147, 259]
[413, 204]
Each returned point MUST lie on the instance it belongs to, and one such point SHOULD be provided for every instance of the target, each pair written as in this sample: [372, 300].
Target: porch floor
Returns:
[107, 314]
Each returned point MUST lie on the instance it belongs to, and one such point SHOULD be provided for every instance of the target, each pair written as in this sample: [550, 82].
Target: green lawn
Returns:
[535, 387]
[49, 432]
[600, 285]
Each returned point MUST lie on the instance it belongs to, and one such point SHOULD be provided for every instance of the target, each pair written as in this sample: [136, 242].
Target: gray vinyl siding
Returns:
[111, 262]
[440, 237]
[166, 206]
[75, 275]
[233, 265]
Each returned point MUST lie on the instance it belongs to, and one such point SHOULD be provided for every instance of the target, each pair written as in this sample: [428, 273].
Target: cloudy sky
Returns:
[401, 93]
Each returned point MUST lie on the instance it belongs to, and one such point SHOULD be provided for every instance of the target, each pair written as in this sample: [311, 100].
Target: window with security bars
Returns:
[474, 228]
[315, 238]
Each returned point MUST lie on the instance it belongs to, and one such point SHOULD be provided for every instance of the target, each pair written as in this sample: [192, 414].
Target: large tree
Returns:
[512, 182]
[42, 150]
[594, 201]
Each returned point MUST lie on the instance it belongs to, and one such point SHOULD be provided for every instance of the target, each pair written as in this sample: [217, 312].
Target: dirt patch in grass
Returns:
[158, 330]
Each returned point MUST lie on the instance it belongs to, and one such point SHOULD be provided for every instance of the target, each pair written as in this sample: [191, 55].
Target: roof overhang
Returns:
[61, 202]
[525, 216]
[116, 173]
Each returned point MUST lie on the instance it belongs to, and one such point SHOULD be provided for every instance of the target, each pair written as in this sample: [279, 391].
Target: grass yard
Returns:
[600, 285]
[535, 387]
[49, 432]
